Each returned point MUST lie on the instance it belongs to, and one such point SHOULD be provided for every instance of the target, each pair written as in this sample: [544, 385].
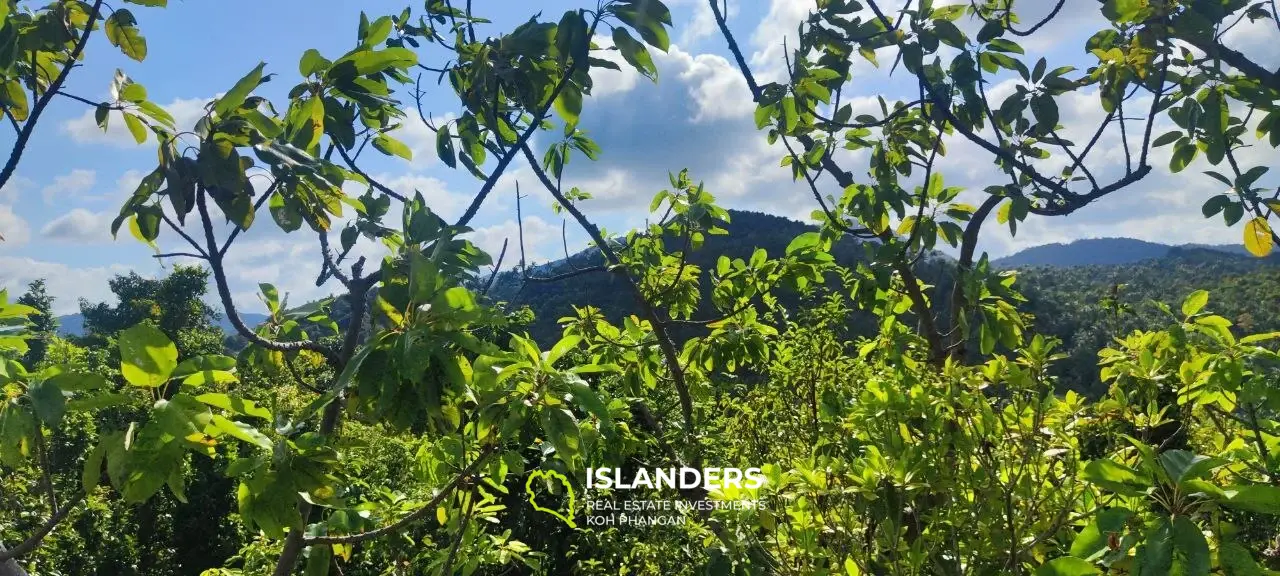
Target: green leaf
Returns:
[569, 106]
[312, 63]
[444, 147]
[561, 430]
[1092, 542]
[634, 53]
[587, 398]
[147, 356]
[48, 402]
[1236, 560]
[1195, 302]
[392, 147]
[136, 127]
[97, 402]
[1183, 154]
[647, 17]
[1045, 110]
[208, 377]
[1190, 549]
[1116, 477]
[92, 471]
[1166, 139]
[122, 32]
[242, 431]
[1254, 498]
[1067, 566]
[789, 116]
[561, 348]
[1182, 465]
[237, 405]
[235, 97]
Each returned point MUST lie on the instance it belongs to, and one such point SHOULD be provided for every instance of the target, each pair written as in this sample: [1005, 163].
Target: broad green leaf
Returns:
[1190, 549]
[634, 53]
[1236, 560]
[1182, 465]
[1091, 543]
[560, 429]
[242, 431]
[237, 405]
[48, 402]
[561, 348]
[147, 356]
[569, 105]
[235, 97]
[312, 63]
[1255, 498]
[587, 398]
[392, 147]
[209, 377]
[1116, 477]
[136, 127]
[97, 402]
[122, 31]
[1067, 566]
[92, 471]
[444, 147]
[1195, 302]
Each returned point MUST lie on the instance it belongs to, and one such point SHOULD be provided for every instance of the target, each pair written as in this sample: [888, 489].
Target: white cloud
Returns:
[435, 192]
[16, 187]
[65, 283]
[13, 228]
[79, 226]
[84, 129]
[72, 184]
[716, 85]
[540, 241]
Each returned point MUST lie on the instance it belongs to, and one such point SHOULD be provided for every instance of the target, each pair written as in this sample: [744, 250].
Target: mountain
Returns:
[1064, 284]
[1099, 252]
[73, 324]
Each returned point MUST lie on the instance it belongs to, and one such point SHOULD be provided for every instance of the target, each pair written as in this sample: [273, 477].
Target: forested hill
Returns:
[551, 301]
[1099, 251]
[1065, 300]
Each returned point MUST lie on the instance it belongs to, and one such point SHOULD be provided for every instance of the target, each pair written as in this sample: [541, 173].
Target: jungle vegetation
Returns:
[940, 439]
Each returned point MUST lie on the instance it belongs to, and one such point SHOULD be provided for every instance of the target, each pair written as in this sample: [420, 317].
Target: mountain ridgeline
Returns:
[1067, 286]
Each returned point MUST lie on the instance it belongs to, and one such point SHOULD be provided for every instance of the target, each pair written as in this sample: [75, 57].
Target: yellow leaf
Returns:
[442, 515]
[1257, 237]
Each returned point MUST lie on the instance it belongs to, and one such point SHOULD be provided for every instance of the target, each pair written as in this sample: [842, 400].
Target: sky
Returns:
[56, 211]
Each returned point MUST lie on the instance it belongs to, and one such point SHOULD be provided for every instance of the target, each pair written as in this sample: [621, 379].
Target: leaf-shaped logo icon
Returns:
[568, 488]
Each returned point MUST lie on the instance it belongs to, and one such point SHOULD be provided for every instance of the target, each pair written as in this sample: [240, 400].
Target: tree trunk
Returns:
[10, 567]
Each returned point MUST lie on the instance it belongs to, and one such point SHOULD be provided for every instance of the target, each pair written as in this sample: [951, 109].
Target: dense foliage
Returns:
[904, 411]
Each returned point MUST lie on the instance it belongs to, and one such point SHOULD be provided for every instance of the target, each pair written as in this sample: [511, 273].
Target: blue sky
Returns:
[55, 212]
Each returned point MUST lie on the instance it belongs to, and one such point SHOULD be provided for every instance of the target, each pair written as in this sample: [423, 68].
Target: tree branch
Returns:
[224, 293]
[35, 538]
[414, 516]
[20, 145]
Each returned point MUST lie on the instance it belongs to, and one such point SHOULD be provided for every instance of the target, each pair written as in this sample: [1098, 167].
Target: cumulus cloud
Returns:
[71, 184]
[79, 226]
[16, 187]
[65, 283]
[13, 228]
